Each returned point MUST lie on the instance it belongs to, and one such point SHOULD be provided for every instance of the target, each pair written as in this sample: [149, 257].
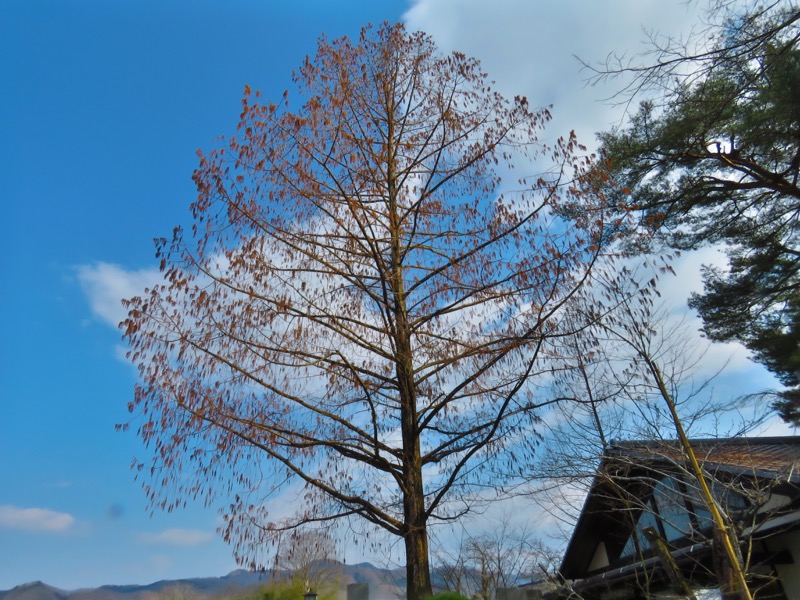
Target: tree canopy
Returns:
[355, 324]
[713, 158]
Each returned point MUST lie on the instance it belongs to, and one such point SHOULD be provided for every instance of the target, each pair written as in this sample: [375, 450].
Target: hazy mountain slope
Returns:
[384, 583]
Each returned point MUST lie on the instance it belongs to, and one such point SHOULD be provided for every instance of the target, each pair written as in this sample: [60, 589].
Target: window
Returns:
[678, 515]
[646, 519]
[676, 511]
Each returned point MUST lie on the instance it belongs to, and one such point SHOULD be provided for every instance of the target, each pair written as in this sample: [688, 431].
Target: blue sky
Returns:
[103, 107]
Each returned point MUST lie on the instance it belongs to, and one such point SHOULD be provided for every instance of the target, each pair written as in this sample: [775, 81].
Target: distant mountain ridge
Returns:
[35, 590]
[384, 583]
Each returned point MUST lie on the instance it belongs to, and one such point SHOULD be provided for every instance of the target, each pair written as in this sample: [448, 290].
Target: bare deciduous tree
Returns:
[633, 382]
[360, 311]
[309, 556]
[504, 556]
[177, 591]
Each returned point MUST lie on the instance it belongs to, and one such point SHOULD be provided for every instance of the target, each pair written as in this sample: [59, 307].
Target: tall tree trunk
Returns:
[416, 533]
[418, 575]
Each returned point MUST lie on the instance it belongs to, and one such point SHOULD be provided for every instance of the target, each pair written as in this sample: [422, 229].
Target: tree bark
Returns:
[416, 534]
[418, 576]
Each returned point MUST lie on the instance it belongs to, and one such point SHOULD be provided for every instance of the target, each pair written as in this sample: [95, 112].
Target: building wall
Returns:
[788, 573]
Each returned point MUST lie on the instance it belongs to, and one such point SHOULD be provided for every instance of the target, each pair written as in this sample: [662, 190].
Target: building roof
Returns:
[627, 466]
[773, 457]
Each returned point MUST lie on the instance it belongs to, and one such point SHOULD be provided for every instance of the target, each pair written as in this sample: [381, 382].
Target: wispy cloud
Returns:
[60, 484]
[149, 567]
[530, 48]
[776, 426]
[178, 537]
[106, 285]
[34, 519]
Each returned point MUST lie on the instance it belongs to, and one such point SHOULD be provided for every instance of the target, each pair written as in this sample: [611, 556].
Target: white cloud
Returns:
[159, 563]
[178, 537]
[106, 285]
[530, 48]
[688, 272]
[61, 484]
[777, 427]
[732, 357]
[34, 519]
[156, 566]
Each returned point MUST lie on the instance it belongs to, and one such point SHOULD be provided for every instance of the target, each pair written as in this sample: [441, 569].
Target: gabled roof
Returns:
[772, 457]
[627, 466]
